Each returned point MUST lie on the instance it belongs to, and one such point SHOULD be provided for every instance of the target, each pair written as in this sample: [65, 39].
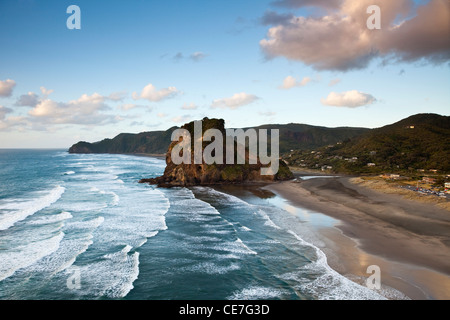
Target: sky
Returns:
[138, 65]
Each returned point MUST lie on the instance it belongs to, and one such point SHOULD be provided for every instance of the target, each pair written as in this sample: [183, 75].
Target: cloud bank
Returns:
[290, 82]
[152, 94]
[234, 102]
[348, 99]
[6, 87]
[341, 40]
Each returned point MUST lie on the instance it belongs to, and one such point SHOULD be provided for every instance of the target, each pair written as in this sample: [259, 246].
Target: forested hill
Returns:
[292, 136]
[154, 142]
[418, 142]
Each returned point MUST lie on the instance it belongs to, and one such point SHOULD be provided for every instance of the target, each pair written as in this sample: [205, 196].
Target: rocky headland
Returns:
[183, 175]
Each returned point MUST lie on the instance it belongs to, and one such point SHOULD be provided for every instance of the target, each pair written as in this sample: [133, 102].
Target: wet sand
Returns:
[408, 240]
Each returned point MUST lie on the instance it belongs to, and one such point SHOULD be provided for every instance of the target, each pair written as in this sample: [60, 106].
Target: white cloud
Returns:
[197, 56]
[161, 115]
[4, 111]
[334, 82]
[328, 4]
[234, 102]
[267, 114]
[46, 92]
[349, 99]
[190, 106]
[30, 99]
[117, 96]
[127, 106]
[181, 119]
[10, 122]
[152, 94]
[290, 82]
[341, 40]
[6, 87]
[130, 106]
[85, 110]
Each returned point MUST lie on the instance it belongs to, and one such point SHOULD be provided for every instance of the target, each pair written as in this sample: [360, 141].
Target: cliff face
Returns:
[210, 174]
[292, 136]
[155, 142]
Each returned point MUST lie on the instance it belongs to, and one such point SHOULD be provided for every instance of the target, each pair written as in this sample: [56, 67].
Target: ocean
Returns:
[80, 226]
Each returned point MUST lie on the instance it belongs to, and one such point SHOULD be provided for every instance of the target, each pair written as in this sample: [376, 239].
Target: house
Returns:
[429, 180]
[391, 176]
[371, 164]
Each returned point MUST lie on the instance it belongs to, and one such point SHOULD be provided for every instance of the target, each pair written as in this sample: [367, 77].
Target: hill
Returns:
[190, 173]
[420, 142]
[302, 136]
[292, 136]
[155, 142]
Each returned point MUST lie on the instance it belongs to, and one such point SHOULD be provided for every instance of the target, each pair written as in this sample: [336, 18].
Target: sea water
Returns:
[81, 227]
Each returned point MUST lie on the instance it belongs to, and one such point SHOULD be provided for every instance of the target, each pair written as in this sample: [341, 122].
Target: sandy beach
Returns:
[408, 240]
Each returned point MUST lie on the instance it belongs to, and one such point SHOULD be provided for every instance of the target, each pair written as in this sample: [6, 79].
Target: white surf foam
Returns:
[257, 293]
[269, 221]
[212, 268]
[329, 285]
[52, 219]
[246, 248]
[111, 277]
[24, 256]
[22, 208]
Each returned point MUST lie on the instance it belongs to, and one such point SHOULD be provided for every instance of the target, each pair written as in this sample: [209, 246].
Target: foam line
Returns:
[21, 209]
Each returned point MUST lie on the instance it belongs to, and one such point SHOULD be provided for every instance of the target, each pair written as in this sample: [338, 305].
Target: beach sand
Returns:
[408, 240]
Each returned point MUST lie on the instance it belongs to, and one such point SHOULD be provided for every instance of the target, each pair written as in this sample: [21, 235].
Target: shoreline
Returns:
[410, 241]
[414, 259]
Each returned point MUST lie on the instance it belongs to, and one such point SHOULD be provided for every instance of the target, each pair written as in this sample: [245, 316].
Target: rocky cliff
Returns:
[211, 174]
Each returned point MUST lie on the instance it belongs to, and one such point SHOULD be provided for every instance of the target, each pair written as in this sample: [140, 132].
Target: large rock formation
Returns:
[211, 174]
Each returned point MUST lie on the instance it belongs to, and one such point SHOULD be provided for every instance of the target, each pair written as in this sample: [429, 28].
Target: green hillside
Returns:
[419, 142]
[292, 136]
[302, 136]
[155, 142]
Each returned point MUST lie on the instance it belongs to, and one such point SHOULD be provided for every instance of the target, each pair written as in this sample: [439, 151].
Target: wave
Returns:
[68, 173]
[20, 209]
[316, 279]
[24, 256]
[257, 293]
[116, 198]
[87, 224]
[111, 277]
[79, 237]
[211, 268]
[53, 218]
[246, 249]
[329, 285]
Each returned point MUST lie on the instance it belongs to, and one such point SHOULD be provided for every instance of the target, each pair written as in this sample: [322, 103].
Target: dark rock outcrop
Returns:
[212, 174]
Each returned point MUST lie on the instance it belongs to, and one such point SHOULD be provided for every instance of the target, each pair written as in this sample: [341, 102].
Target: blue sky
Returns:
[149, 65]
